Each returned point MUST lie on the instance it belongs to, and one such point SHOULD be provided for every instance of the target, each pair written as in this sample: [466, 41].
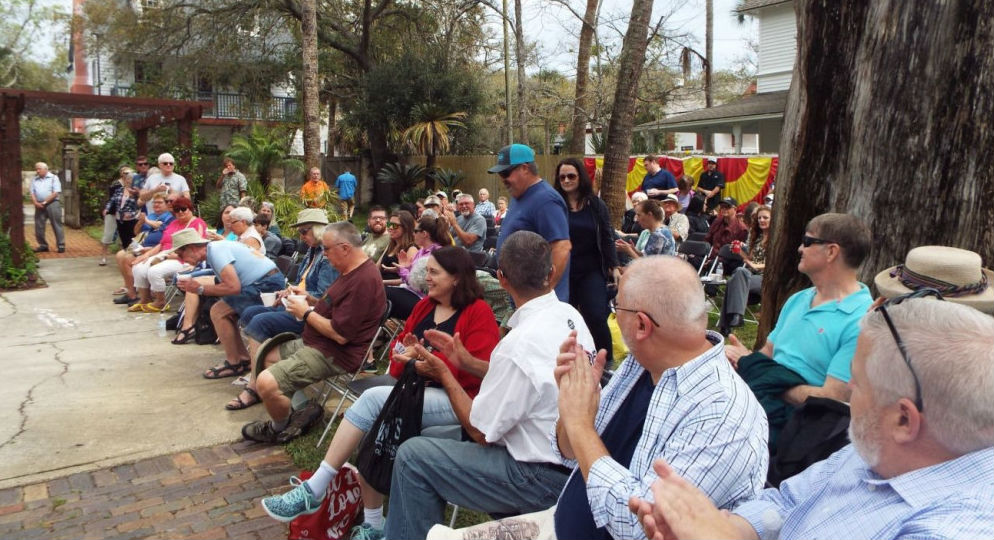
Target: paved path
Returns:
[204, 493]
[78, 243]
[87, 385]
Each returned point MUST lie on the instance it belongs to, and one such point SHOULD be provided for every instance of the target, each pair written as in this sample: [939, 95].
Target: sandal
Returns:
[138, 307]
[228, 370]
[237, 404]
[185, 336]
[152, 308]
[120, 291]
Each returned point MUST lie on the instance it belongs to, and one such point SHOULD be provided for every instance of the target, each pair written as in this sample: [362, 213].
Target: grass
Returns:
[96, 232]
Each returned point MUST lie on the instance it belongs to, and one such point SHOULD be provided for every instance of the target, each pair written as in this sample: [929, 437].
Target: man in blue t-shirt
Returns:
[808, 353]
[345, 184]
[535, 207]
[658, 182]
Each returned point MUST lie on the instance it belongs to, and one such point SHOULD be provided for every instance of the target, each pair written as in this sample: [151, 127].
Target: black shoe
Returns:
[125, 299]
[735, 320]
[41, 249]
[260, 431]
[300, 422]
[369, 367]
[62, 249]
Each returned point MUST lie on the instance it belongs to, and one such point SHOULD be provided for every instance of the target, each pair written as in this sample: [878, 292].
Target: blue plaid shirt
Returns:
[841, 497]
[702, 419]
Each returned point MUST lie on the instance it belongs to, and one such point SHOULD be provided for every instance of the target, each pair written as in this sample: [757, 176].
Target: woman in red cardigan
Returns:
[454, 303]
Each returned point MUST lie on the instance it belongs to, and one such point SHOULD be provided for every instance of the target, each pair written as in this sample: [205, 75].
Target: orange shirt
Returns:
[312, 192]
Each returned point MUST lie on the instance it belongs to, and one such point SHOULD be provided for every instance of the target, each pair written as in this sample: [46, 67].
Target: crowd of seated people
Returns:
[679, 441]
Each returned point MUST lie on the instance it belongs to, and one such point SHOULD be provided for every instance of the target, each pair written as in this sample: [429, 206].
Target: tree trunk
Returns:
[890, 123]
[519, 58]
[383, 193]
[708, 51]
[311, 105]
[619, 129]
[332, 144]
[578, 138]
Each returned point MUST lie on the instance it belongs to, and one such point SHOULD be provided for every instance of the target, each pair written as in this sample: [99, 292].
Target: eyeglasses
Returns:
[393, 225]
[568, 176]
[416, 229]
[162, 163]
[377, 218]
[181, 209]
[920, 293]
[143, 164]
[304, 230]
[809, 241]
[636, 311]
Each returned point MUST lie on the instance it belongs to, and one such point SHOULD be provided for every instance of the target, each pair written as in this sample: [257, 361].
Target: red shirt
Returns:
[722, 233]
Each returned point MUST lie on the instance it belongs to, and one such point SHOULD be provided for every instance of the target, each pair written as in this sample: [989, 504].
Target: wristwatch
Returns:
[307, 313]
[200, 289]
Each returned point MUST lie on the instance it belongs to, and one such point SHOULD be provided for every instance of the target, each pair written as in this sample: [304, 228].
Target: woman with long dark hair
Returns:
[430, 233]
[400, 227]
[748, 278]
[593, 258]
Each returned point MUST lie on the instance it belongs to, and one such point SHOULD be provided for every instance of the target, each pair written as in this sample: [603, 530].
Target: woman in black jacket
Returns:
[593, 259]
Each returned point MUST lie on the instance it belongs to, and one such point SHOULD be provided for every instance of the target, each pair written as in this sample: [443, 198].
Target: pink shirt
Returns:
[167, 235]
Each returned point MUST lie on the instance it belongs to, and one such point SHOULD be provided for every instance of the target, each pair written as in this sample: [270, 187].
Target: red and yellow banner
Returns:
[746, 178]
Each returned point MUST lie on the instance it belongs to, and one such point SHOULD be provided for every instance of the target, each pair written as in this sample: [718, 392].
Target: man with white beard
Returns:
[921, 462]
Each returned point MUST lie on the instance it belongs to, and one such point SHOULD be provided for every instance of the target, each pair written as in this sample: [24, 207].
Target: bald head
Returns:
[669, 289]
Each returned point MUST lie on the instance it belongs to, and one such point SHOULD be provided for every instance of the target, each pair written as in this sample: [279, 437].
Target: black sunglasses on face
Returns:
[506, 172]
[141, 164]
[920, 293]
[568, 176]
[808, 241]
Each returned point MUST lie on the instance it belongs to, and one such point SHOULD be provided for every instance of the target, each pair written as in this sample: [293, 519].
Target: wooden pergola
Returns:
[141, 114]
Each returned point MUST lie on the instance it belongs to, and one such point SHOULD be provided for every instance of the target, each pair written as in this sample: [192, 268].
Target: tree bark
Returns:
[708, 51]
[890, 122]
[619, 129]
[519, 59]
[309, 90]
[578, 137]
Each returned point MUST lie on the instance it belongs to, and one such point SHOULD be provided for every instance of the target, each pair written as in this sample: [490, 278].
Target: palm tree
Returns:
[262, 150]
[430, 132]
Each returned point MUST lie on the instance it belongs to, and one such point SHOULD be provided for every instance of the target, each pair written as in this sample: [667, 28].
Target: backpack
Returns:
[816, 430]
[205, 326]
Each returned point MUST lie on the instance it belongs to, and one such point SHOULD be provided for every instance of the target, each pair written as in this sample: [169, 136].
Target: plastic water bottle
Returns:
[162, 325]
[719, 270]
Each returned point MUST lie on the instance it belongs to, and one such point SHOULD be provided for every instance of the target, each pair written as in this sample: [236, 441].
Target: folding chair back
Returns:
[698, 236]
[696, 253]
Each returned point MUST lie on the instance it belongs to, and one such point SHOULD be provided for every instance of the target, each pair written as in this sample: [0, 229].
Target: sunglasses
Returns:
[809, 241]
[393, 225]
[920, 293]
[416, 229]
[568, 176]
[181, 209]
[164, 164]
[636, 311]
[145, 164]
[304, 230]
[506, 172]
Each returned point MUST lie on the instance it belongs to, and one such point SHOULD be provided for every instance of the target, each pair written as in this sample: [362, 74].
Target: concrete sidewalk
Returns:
[88, 385]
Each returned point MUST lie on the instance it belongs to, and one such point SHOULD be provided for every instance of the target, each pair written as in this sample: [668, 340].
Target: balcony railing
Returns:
[229, 105]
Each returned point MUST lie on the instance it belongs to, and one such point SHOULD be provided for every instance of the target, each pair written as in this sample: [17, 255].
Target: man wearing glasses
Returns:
[166, 181]
[809, 351]
[537, 207]
[921, 462]
[376, 239]
[141, 174]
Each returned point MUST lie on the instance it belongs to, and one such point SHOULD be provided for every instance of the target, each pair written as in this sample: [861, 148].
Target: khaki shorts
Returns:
[301, 366]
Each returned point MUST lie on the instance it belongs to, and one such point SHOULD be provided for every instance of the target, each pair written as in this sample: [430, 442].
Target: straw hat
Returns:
[956, 273]
[187, 237]
[311, 215]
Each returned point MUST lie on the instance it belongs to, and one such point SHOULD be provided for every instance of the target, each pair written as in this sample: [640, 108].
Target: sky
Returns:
[555, 29]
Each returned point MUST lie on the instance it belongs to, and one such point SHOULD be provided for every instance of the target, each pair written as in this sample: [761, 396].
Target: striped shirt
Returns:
[841, 497]
[702, 419]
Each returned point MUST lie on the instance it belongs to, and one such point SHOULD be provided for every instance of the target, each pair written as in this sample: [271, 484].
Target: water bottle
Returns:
[719, 270]
[162, 325]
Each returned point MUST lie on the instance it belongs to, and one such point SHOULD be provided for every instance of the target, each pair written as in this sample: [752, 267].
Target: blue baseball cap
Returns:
[512, 156]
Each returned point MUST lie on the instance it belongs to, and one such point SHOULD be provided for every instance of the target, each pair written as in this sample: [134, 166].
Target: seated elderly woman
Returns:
[273, 243]
[267, 209]
[154, 266]
[454, 304]
[260, 323]
[150, 225]
[655, 238]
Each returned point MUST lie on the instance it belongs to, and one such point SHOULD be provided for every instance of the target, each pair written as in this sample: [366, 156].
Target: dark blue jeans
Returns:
[249, 295]
[261, 323]
[588, 294]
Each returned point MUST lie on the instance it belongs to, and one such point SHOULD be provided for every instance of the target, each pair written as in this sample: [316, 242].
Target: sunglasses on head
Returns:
[809, 241]
[920, 293]
[568, 176]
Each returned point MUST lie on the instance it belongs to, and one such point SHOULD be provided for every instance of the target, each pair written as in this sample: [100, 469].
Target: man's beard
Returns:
[861, 432]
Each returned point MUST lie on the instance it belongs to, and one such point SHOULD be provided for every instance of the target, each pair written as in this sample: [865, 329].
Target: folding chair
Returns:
[698, 236]
[696, 253]
[339, 384]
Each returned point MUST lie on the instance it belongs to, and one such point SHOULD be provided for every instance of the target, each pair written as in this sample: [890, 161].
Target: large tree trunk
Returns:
[519, 59]
[708, 51]
[619, 129]
[890, 123]
[311, 104]
[578, 138]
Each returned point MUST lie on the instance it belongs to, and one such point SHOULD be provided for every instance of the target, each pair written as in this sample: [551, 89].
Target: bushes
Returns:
[15, 277]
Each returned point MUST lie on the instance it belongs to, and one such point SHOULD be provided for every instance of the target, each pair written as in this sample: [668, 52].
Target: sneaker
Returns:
[62, 249]
[125, 299]
[103, 261]
[300, 422]
[297, 502]
[366, 532]
[369, 367]
[41, 249]
[260, 431]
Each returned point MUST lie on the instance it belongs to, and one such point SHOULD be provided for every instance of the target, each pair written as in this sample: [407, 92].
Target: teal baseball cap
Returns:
[512, 156]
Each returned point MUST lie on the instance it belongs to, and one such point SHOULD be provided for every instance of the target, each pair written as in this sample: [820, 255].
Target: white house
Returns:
[751, 124]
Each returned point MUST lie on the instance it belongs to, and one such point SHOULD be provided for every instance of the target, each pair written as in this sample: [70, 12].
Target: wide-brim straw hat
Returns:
[956, 273]
[187, 237]
[311, 215]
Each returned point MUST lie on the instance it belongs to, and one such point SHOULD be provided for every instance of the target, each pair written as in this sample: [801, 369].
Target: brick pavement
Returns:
[209, 492]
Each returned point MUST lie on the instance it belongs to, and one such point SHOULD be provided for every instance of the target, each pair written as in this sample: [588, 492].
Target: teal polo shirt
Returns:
[815, 341]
